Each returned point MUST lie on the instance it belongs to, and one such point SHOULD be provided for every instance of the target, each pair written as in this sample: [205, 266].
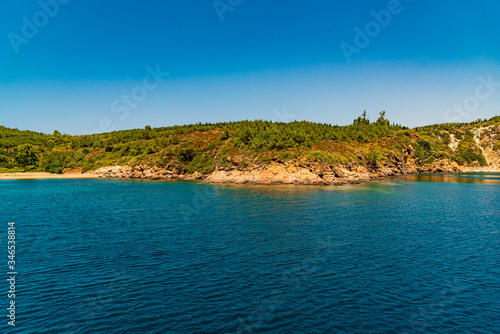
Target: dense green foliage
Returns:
[455, 126]
[467, 153]
[264, 135]
[25, 155]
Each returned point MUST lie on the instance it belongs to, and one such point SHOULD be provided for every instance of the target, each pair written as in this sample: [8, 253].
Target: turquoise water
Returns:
[417, 255]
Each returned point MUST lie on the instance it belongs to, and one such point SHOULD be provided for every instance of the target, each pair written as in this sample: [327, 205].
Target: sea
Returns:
[418, 254]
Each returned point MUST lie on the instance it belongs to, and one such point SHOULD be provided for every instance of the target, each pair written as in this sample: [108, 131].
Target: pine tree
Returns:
[26, 156]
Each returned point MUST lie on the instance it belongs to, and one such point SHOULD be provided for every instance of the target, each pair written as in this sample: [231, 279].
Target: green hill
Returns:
[206, 147]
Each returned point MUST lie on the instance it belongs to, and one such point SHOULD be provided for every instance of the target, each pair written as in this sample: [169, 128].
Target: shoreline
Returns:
[44, 175]
[476, 170]
[93, 175]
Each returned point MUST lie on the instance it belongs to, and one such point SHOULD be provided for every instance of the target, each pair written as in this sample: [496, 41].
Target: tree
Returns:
[363, 119]
[381, 120]
[26, 156]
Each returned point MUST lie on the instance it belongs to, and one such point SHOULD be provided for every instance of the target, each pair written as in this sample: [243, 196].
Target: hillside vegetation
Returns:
[206, 147]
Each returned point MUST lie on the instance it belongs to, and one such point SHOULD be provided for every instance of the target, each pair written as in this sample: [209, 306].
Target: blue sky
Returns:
[71, 65]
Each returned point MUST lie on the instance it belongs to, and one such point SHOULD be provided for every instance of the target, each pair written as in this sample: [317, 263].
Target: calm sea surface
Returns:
[415, 255]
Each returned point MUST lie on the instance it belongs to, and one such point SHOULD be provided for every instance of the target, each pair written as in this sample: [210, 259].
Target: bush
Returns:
[202, 163]
[467, 154]
[4, 159]
[54, 167]
[445, 136]
[425, 145]
[165, 142]
[374, 156]
[186, 155]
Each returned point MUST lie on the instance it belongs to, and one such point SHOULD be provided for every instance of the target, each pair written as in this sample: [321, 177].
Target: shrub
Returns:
[54, 167]
[374, 156]
[467, 154]
[425, 145]
[202, 163]
[186, 155]
[445, 136]
[26, 156]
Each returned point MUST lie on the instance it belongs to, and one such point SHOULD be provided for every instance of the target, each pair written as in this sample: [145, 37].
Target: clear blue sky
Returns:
[79, 66]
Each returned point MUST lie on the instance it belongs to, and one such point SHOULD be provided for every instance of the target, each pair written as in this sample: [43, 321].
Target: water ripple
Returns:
[122, 256]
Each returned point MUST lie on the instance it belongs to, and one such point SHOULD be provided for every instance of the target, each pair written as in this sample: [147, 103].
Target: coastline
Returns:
[44, 175]
[263, 177]
[213, 156]
[479, 170]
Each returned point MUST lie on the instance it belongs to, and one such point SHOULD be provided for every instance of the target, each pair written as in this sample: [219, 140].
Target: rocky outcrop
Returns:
[145, 172]
[290, 172]
[320, 173]
[274, 173]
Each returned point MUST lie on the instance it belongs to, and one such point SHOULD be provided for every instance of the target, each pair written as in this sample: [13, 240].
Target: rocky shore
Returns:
[290, 172]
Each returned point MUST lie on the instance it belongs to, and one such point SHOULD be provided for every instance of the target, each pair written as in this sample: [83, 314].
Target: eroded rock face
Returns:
[485, 139]
[274, 173]
[316, 172]
[142, 172]
[312, 173]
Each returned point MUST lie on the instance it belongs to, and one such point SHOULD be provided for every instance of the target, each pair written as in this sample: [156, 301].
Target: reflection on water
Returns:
[477, 178]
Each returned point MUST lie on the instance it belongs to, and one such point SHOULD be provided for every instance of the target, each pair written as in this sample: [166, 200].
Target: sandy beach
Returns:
[42, 175]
